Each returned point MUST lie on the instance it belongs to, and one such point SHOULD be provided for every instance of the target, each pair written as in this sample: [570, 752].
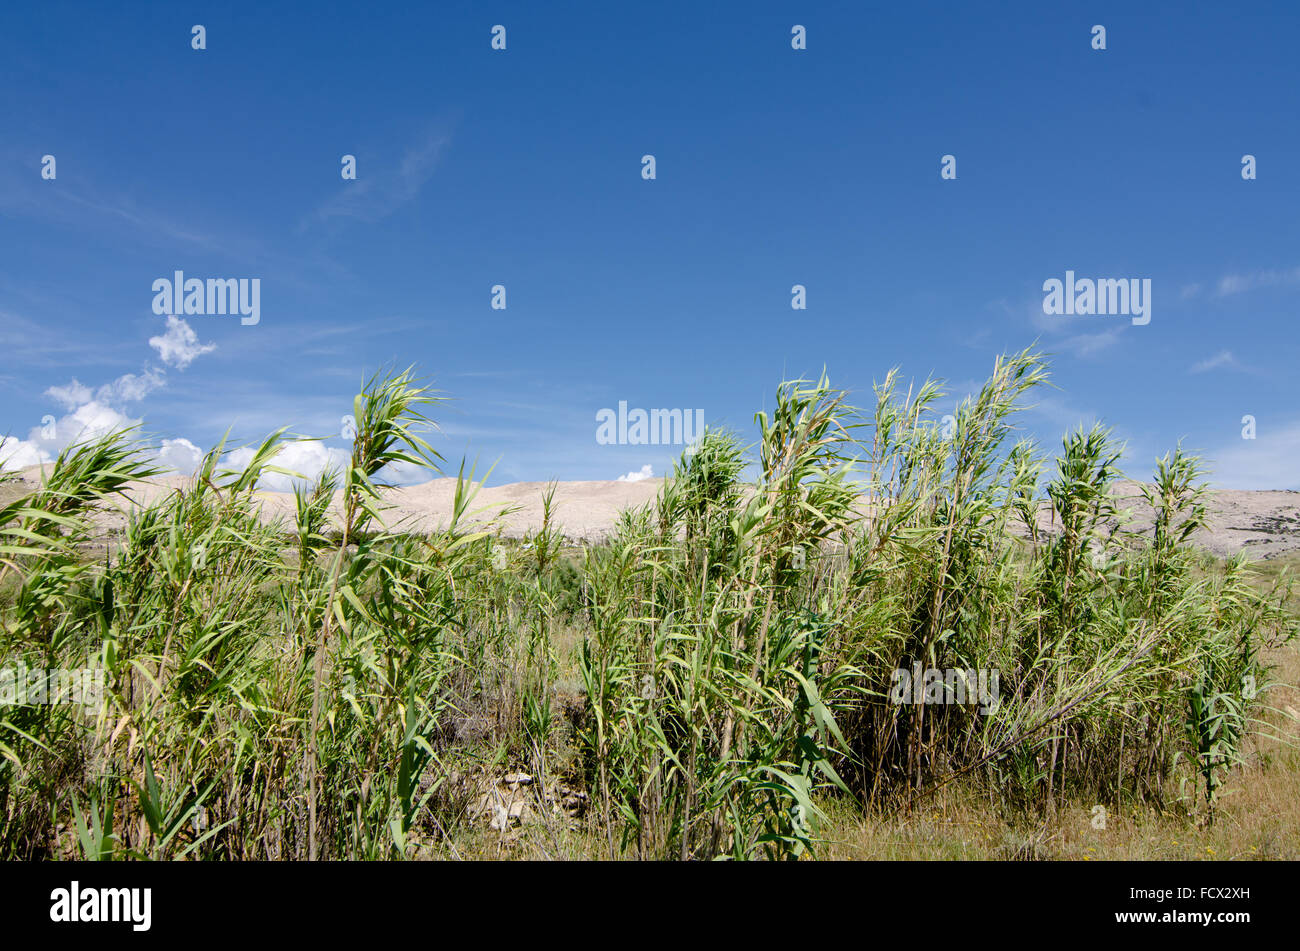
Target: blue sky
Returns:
[522, 167]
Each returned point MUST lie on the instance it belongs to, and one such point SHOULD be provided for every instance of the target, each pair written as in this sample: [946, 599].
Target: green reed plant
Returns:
[339, 685]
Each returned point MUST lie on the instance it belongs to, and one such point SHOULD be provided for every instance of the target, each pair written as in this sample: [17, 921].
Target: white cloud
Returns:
[307, 458]
[96, 413]
[18, 453]
[89, 422]
[131, 388]
[404, 473]
[180, 455]
[128, 388]
[70, 396]
[179, 345]
[646, 473]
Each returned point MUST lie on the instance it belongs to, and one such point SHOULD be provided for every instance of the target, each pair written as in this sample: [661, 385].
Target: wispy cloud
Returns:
[127, 388]
[1240, 283]
[1059, 413]
[1223, 359]
[379, 189]
[29, 344]
[1082, 345]
[1269, 461]
[1086, 345]
[79, 203]
[86, 204]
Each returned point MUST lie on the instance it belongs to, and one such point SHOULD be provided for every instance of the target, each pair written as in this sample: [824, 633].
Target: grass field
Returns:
[716, 681]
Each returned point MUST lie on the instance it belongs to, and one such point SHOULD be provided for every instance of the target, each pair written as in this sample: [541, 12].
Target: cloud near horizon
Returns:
[1269, 461]
[96, 412]
[646, 472]
[92, 414]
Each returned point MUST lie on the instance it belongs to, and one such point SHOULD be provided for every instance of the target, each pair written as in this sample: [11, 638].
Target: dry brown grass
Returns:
[1258, 818]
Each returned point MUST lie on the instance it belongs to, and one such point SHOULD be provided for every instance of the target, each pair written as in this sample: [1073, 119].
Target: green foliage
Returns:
[710, 676]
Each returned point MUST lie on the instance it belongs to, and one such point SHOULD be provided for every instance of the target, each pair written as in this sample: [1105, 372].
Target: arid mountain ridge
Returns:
[1265, 524]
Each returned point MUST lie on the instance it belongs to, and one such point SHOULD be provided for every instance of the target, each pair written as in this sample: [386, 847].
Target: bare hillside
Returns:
[1265, 524]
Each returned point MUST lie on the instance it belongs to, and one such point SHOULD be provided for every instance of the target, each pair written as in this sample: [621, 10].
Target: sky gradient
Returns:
[522, 167]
